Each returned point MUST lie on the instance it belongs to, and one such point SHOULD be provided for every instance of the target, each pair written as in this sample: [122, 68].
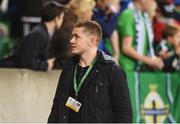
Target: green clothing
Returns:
[127, 26]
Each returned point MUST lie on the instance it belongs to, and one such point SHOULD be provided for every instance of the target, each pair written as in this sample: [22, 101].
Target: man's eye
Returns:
[76, 37]
[73, 36]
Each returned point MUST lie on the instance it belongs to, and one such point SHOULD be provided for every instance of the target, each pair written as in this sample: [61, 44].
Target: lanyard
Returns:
[77, 88]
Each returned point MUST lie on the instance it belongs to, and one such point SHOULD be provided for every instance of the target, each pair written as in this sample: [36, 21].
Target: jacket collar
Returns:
[102, 58]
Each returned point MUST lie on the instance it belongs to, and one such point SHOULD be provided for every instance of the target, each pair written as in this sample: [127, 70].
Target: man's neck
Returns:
[138, 6]
[50, 28]
[87, 58]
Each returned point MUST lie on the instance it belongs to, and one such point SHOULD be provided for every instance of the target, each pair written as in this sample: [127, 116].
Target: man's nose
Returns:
[72, 40]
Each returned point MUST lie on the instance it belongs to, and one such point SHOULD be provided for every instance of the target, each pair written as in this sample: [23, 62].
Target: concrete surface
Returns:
[26, 96]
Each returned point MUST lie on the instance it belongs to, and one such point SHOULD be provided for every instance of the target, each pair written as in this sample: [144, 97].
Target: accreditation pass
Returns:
[73, 104]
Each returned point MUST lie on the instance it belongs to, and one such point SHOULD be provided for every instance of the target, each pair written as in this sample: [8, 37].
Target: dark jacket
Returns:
[31, 52]
[34, 49]
[105, 89]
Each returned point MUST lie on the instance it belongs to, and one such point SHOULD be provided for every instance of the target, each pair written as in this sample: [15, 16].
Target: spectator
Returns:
[106, 14]
[169, 49]
[158, 26]
[82, 8]
[165, 16]
[136, 38]
[33, 50]
[124, 4]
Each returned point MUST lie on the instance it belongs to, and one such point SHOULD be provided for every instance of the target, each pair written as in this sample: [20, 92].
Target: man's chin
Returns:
[74, 52]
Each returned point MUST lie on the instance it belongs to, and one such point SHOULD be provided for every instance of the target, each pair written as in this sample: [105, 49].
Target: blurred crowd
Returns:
[141, 35]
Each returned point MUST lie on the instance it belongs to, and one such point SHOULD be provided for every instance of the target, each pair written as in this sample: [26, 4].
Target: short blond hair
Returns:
[92, 27]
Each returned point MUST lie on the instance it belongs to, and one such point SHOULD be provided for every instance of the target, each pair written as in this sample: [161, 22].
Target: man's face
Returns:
[80, 41]
[146, 4]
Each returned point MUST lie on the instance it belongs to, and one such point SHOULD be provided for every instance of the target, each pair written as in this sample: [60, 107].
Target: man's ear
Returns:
[94, 41]
[61, 16]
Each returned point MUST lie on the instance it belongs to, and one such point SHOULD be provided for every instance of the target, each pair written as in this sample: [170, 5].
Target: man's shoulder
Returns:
[110, 64]
[39, 32]
[36, 31]
[117, 68]
[126, 18]
[127, 13]
[114, 72]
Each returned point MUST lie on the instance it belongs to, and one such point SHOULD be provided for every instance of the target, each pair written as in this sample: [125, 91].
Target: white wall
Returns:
[25, 95]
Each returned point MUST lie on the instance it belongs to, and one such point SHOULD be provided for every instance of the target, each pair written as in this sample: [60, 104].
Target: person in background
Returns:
[32, 52]
[35, 45]
[91, 88]
[106, 14]
[168, 49]
[168, 16]
[124, 4]
[83, 9]
[136, 38]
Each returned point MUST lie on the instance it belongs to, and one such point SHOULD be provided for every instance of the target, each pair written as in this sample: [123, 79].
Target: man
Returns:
[92, 88]
[35, 45]
[106, 14]
[32, 52]
[136, 38]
